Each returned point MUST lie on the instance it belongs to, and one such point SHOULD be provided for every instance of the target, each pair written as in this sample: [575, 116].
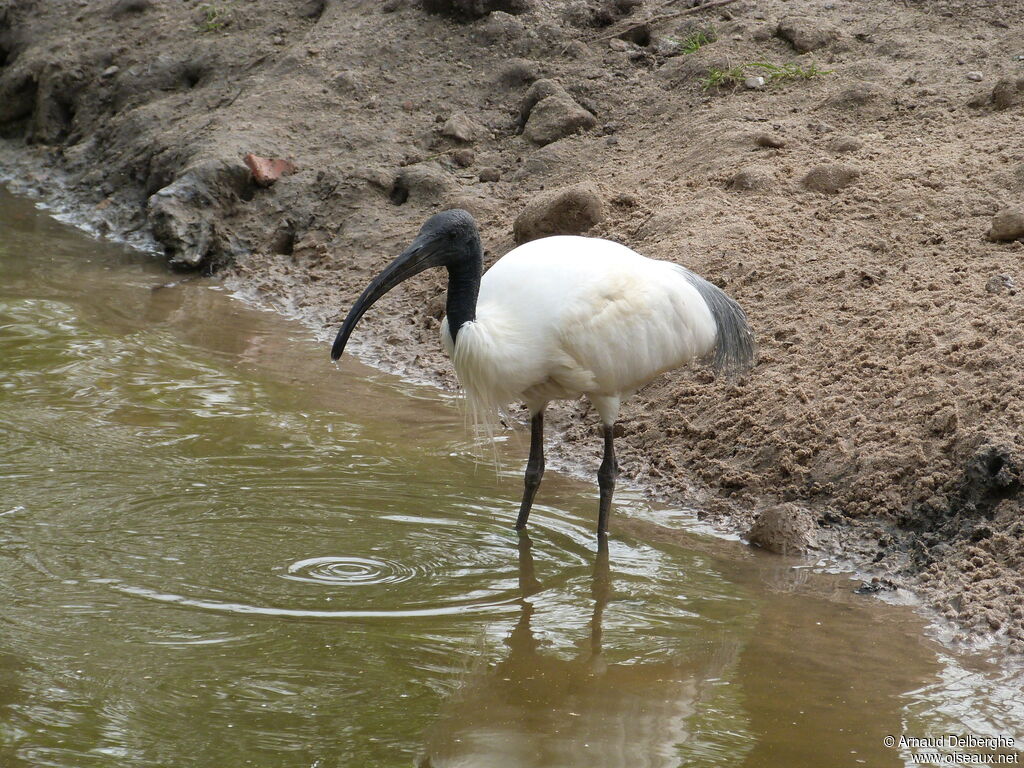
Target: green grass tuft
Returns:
[772, 73]
[723, 78]
[780, 72]
[215, 18]
[694, 41]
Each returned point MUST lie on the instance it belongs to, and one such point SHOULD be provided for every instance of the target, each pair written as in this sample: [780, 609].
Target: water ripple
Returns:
[507, 603]
[348, 571]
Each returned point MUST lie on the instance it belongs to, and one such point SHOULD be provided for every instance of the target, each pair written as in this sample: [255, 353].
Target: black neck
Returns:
[463, 288]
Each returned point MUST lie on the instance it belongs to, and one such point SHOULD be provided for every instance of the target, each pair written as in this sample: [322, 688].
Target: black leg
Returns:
[534, 468]
[606, 480]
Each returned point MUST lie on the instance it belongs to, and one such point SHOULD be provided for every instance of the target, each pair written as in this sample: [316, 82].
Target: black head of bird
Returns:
[448, 239]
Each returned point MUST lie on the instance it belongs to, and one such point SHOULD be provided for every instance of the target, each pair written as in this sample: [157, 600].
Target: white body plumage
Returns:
[564, 316]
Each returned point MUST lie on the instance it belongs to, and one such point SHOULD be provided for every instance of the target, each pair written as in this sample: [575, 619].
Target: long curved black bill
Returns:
[417, 257]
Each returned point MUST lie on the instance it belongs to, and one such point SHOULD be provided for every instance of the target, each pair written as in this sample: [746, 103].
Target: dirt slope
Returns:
[846, 204]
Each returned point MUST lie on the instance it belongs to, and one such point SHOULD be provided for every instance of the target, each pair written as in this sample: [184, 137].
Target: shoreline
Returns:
[824, 557]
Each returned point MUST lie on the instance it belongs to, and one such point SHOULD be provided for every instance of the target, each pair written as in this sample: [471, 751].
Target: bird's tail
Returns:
[735, 349]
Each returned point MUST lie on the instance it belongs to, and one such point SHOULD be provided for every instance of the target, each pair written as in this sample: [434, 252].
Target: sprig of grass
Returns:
[215, 18]
[779, 72]
[772, 73]
[694, 41]
[723, 78]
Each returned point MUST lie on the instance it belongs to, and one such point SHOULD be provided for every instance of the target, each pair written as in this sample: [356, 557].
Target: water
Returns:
[218, 550]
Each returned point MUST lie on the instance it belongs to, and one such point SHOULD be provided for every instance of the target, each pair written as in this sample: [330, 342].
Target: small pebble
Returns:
[1001, 284]
[845, 144]
[111, 71]
[754, 82]
[975, 76]
[463, 157]
[460, 127]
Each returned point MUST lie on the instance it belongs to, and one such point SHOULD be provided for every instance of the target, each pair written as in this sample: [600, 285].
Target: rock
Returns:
[829, 178]
[565, 211]
[518, 72]
[555, 118]
[754, 82]
[783, 529]
[665, 46]
[467, 10]
[537, 92]
[500, 28]
[423, 182]
[769, 140]
[312, 9]
[265, 170]
[490, 174]
[845, 144]
[975, 76]
[464, 157]
[183, 213]
[1008, 93]
[346, 82]
[805, 35]
[110, 71]
[460, 128]
[751, 179]
[999, 284]
[1008, 224]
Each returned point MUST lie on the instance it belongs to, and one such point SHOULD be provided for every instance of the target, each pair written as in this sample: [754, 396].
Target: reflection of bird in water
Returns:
[537, 709]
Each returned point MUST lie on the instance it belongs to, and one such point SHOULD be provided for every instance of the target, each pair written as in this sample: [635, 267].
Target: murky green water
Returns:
[218, 550]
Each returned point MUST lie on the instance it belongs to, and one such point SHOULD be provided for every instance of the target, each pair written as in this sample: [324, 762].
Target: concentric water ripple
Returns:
[348, 571]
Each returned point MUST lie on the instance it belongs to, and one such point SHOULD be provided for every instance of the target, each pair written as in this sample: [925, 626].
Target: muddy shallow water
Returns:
[217, 549]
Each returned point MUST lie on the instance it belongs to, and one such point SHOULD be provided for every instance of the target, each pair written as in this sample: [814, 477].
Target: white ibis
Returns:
[561, 317]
